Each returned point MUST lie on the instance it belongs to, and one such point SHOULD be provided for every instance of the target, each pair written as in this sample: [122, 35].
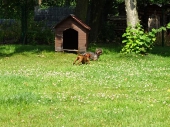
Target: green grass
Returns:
[41, 88]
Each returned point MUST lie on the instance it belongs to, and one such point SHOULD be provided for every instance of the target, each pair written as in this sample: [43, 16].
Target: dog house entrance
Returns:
[70, 39]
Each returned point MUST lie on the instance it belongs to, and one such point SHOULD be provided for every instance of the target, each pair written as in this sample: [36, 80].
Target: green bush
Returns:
[139, 42]
[39, 33]
[10, 32]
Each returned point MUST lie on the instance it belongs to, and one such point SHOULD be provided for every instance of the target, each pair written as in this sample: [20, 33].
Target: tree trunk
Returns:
[81, 9]
[131, 12]
[39, 2]
[96, 10]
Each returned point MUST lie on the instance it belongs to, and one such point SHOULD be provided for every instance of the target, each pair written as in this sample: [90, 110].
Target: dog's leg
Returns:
[76, 60]
[87, 60]
[80, 60]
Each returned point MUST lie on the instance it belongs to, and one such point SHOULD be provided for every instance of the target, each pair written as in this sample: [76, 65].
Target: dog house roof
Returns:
[75, 19]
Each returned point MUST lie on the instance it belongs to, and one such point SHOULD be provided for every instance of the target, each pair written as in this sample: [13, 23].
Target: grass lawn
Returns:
[41, 88]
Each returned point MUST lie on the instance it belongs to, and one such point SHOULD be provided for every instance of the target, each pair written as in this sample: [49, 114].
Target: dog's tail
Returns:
[99, 51]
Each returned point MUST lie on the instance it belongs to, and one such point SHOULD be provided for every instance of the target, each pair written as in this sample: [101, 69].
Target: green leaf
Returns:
[124, 41]
[154, 30]
[142, 37]
[163, 28]
[141, 32]
[139, 42]
[168, 25]
[151, 34]
[148, 39]
[154, 39]
[124, 35]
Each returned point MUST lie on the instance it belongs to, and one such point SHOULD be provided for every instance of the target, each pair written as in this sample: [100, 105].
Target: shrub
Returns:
[39, 33]
[138, 41]
[10, 32]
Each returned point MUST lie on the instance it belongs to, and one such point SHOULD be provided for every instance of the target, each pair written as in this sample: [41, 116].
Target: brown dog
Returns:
[82, 58]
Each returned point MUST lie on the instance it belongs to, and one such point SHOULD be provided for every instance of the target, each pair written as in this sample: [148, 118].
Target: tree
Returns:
[81, 9]
[91, 12]
[135, 38]
[96, 13]
[58, 3]
[131, 12]
[12, 9]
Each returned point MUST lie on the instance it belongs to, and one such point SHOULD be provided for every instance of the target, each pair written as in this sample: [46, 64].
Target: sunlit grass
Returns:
[39, 87]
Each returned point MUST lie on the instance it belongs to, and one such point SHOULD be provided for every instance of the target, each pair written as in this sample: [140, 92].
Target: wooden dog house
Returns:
[71, 34]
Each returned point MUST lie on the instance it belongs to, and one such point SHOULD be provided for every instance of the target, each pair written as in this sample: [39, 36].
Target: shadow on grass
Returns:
[9, 50]
[112, 48]
[107, 48]
[161, 51]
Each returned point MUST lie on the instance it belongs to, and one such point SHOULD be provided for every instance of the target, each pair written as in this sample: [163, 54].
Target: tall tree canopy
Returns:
[13, 9]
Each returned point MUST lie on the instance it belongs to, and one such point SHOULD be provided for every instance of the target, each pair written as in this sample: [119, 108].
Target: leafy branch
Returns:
[139, 42]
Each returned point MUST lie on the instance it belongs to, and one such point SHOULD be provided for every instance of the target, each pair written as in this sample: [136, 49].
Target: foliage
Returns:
[95, 16]
[168, 26]
[10, 31]
[138, 41]
[41, 88]
[12, 9]
[23, 10]
[59, 3]
[39, 33]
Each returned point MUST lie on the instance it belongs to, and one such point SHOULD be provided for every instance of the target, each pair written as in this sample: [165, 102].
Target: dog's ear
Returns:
[87, 55]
